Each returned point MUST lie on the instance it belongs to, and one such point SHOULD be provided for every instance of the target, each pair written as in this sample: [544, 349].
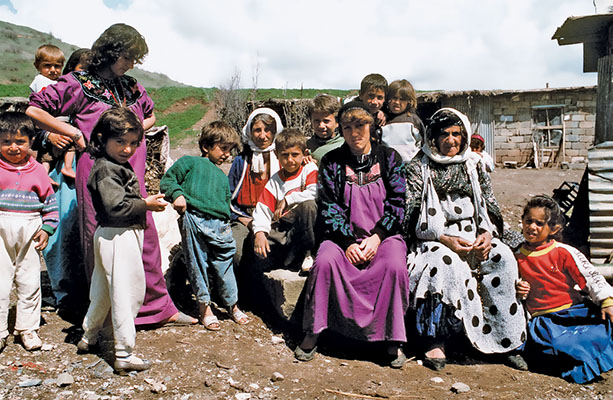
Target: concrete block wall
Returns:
[512, 113]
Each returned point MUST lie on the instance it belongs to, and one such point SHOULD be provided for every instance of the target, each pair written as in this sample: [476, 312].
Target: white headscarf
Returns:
[257, 158]
[433, 152]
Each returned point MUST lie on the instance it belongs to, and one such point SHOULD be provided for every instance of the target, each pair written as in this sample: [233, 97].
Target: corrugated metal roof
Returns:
[600, 177]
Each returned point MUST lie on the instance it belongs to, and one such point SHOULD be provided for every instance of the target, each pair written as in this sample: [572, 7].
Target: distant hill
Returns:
[19, 43]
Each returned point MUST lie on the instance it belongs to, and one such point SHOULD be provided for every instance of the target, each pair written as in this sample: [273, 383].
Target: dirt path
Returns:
[241, 362]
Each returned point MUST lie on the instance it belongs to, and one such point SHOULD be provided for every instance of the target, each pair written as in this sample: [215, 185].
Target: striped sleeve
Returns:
[586, 275]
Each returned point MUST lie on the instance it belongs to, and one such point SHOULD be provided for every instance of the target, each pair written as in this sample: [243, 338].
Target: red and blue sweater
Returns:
[26, 189]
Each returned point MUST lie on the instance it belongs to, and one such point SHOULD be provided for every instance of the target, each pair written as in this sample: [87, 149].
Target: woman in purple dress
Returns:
[83, 96]
[359, 284]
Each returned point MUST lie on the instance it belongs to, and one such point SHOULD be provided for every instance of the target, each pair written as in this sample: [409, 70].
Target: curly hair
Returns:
[553, 213]
[114, 122]
[118, 40]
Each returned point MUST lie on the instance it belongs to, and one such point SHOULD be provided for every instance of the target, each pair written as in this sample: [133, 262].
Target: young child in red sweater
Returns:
[569, 334]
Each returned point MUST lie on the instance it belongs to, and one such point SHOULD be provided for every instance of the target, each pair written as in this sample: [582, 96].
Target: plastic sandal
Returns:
[239, 317]
[211, 323]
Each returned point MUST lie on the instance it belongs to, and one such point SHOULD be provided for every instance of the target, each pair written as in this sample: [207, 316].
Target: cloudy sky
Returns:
[436, 44]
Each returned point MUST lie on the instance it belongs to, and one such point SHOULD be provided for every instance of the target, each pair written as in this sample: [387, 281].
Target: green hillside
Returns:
[19, 43]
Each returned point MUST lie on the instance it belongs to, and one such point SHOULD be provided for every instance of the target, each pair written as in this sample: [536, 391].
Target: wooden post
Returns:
[604, 95]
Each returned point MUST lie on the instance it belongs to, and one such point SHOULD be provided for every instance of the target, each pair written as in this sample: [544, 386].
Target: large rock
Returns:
[284, 288]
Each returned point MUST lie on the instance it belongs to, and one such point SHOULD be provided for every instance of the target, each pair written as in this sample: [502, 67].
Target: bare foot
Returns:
[68, 172]
[309, 341]
[174, 318]
[436, 352]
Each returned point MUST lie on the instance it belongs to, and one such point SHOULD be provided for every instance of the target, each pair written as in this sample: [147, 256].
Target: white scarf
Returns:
[257, 158]
[463, 155]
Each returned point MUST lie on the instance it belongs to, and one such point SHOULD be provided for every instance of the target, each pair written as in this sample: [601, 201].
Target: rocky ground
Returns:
[256, 361]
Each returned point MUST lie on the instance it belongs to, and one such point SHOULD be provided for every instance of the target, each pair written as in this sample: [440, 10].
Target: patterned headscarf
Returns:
[439, 121]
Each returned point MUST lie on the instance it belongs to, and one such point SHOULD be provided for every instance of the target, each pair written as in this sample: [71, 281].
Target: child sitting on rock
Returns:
[285, 213]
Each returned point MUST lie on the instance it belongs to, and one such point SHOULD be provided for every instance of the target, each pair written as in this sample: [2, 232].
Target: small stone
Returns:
[436, 379]
[103, 371]
[156, 387]
[344, 364]
[30, 383]
[242, 396]
[254, 386]
[277, 340]
[460, 387]
[92, 365]
[47, 347]
[277, 376]
[49, 381]
[420, 362]
[64, 379]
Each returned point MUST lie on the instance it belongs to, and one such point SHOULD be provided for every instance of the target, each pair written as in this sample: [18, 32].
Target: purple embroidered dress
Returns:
[84, 97]
[358, 198]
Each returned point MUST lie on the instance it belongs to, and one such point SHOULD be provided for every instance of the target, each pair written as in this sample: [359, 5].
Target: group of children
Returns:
[566, 331]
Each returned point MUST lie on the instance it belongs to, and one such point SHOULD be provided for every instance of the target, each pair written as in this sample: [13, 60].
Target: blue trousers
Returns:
[209, 247]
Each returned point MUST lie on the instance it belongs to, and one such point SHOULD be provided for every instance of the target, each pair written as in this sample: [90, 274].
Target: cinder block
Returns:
[572, 138]
[284, 288]
[586, 124]
[578, 117]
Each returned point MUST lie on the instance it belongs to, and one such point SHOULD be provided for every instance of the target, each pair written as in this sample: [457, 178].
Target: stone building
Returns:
[556, 124]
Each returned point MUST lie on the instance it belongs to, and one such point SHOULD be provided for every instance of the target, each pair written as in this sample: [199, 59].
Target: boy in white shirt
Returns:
[285, 214]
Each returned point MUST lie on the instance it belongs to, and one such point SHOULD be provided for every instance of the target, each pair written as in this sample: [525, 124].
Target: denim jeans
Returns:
[209, 246]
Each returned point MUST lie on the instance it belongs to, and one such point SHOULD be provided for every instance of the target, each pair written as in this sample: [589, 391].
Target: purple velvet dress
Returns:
[358, 198]
[84, 98]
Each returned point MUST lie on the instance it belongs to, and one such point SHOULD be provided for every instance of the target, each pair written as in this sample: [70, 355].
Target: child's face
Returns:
[324, 125]
[218, 153]
[357, 137]
[291, 159]
[122, 148]
[50, 69]
[397, 105]
[14, 148]
[261, 135]
[535, 229]
[374, 99]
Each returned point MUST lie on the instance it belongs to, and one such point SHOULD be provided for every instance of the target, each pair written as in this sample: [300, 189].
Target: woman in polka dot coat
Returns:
[461, 276]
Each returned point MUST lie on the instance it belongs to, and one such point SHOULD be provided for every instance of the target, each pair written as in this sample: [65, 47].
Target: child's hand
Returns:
[261, 246]
[180, 205]
[523, 288]
[607, 313]
[41, 237]
[381, 118]
[307, 159]
[156, 202]
[281, 204]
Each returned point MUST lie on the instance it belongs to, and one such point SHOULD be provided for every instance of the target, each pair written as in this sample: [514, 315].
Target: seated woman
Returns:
[462, 277]
[359, 284]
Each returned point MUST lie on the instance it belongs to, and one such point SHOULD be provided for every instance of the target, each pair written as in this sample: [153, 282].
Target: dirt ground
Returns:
[256, 361]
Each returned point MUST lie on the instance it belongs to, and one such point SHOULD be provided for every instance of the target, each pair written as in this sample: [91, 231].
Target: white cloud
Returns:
[440, 44]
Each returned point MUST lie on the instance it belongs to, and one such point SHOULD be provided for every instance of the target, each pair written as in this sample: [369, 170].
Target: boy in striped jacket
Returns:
[28, 216]
[284, 216]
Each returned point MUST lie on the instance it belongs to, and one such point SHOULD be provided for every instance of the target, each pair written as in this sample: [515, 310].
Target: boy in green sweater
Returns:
[200, 190]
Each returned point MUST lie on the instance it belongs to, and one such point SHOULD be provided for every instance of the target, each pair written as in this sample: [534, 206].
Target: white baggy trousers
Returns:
[19, 262]
[118, 285]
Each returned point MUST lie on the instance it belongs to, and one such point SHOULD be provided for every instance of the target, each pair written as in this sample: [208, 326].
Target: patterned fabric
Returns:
[122, 90]
[381, 165]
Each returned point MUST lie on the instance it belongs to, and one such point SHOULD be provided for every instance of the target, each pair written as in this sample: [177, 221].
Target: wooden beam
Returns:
[604, 100]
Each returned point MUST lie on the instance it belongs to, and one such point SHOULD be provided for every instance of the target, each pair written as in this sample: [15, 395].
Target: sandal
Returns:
[239, 317]
[182, 320]
[211, 322]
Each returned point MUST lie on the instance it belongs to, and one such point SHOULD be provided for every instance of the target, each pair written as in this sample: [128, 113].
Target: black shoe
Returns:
[435, 364]
[303, 355]
[517, 361]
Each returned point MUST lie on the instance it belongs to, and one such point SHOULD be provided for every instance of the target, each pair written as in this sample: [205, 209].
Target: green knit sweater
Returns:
[204, 186]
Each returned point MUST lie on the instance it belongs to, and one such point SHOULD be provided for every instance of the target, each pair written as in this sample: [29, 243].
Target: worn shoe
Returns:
[132, 363]
[303, 355]
[84, 348]
[398, 361]
[435, 364]
[517, 361]
[30, 340]
[2, 343]
[239, 317]
[307, 264]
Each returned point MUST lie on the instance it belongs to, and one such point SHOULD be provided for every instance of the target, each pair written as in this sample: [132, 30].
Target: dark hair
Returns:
[324, 103]
[290, 137]
[553, 213]
[476, 142]
[217, 132]
[118, 40]
[114, 122]
[12, 122]
[48, 52]
[268, 121]
[440, 121]
[373, 81]
[77, 57]
[405, 91]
